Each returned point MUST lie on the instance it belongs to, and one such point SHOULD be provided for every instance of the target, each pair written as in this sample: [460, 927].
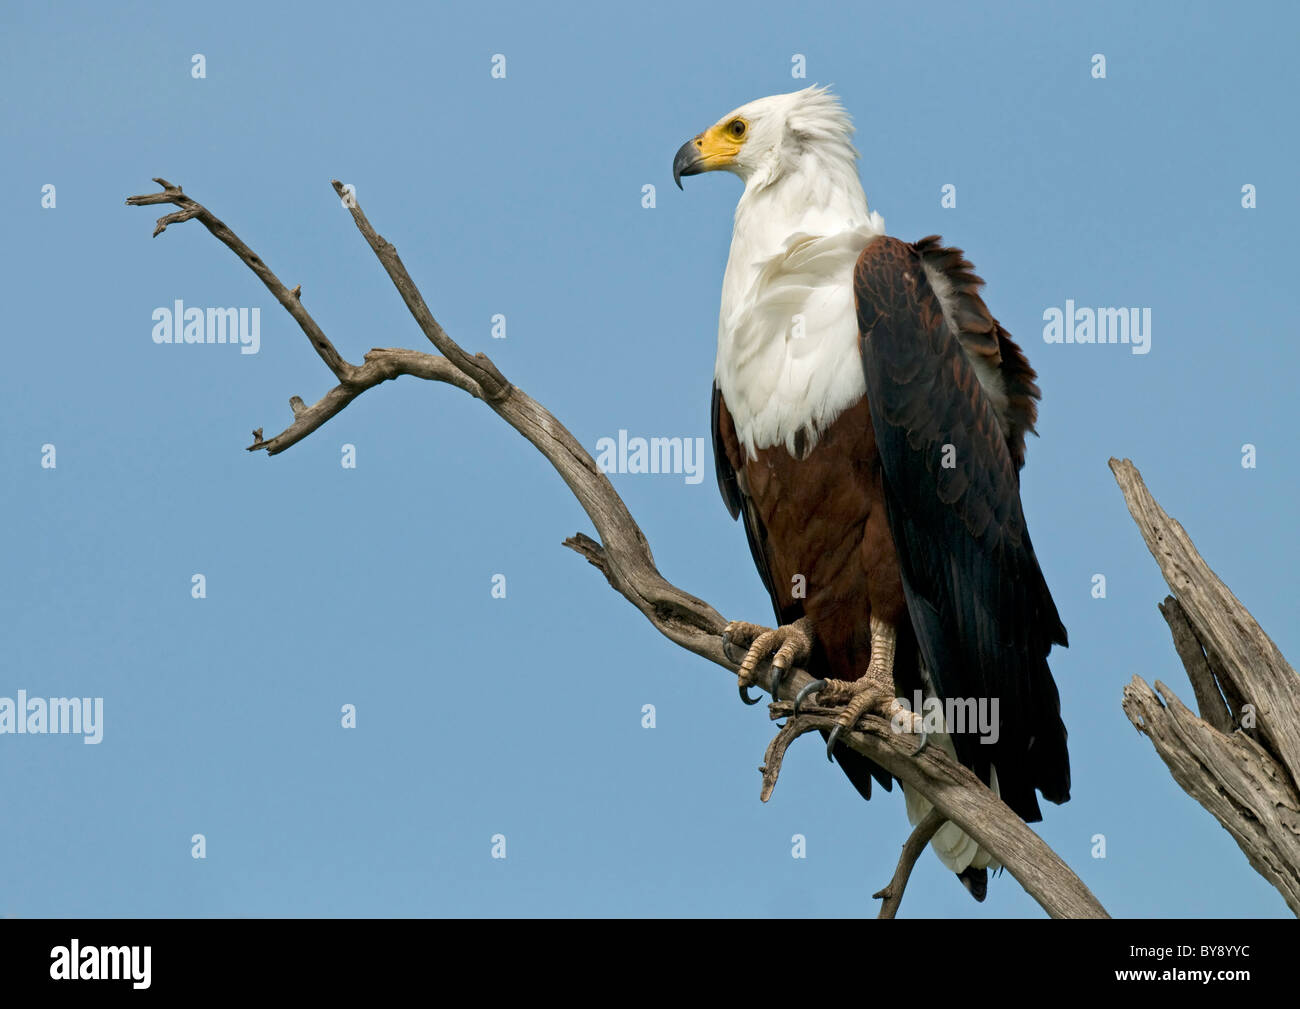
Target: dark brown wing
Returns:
[983, 338]
[981, 610]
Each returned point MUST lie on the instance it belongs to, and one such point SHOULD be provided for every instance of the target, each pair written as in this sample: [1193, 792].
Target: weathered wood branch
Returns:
[1205, 685]
[1239, 759]
[892, 893]
[812, 717]
[381, 364]
[961, 797]
[623, 554]
[291, 300]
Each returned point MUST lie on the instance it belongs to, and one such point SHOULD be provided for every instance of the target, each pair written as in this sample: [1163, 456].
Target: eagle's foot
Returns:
[867, 696]
[791, 642]
[873, 693]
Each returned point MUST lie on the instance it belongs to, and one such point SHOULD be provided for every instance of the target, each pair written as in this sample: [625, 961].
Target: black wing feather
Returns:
[983, 616]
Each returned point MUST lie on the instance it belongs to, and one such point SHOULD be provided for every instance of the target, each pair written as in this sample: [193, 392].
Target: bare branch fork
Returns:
[623, 556]
[1241, 758]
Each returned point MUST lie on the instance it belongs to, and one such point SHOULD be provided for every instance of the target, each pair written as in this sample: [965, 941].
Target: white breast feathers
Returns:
[788, 358]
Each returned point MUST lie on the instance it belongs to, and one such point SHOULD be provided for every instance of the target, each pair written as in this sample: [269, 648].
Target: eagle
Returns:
[869, 418]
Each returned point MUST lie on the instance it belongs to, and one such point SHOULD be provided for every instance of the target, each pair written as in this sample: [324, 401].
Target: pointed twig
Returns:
[192, 208]
[892, 894]
[771, 767]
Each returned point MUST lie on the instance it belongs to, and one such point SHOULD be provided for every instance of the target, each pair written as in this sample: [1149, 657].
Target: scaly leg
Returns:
[791, 642]
[873, 692]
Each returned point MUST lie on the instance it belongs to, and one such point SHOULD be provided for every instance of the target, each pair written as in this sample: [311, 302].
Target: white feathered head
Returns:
[768, 136]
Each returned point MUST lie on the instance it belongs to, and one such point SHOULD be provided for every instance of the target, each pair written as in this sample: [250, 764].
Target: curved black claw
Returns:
[778, 674]
[744, 695]
[830, 741]
[925, 739]
[726, 646]
[811, 688]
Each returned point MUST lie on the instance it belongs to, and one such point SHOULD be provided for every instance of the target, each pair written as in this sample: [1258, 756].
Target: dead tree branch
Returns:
[1241, 757]
[787, 734]
[892, 894]
[623, 555]
[961, 797]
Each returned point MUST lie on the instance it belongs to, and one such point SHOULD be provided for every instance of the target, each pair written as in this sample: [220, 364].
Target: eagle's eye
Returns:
[736, 128]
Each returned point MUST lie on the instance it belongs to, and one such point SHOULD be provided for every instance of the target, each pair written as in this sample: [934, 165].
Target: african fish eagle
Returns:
[869, 418]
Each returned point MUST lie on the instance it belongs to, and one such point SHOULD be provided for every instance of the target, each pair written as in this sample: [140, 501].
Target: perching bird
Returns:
[869, 420]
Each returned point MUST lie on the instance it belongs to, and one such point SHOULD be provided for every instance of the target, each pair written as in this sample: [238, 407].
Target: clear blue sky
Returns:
[372, 586]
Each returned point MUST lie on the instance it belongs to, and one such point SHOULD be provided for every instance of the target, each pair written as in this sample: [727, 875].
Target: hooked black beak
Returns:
[689, 160]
